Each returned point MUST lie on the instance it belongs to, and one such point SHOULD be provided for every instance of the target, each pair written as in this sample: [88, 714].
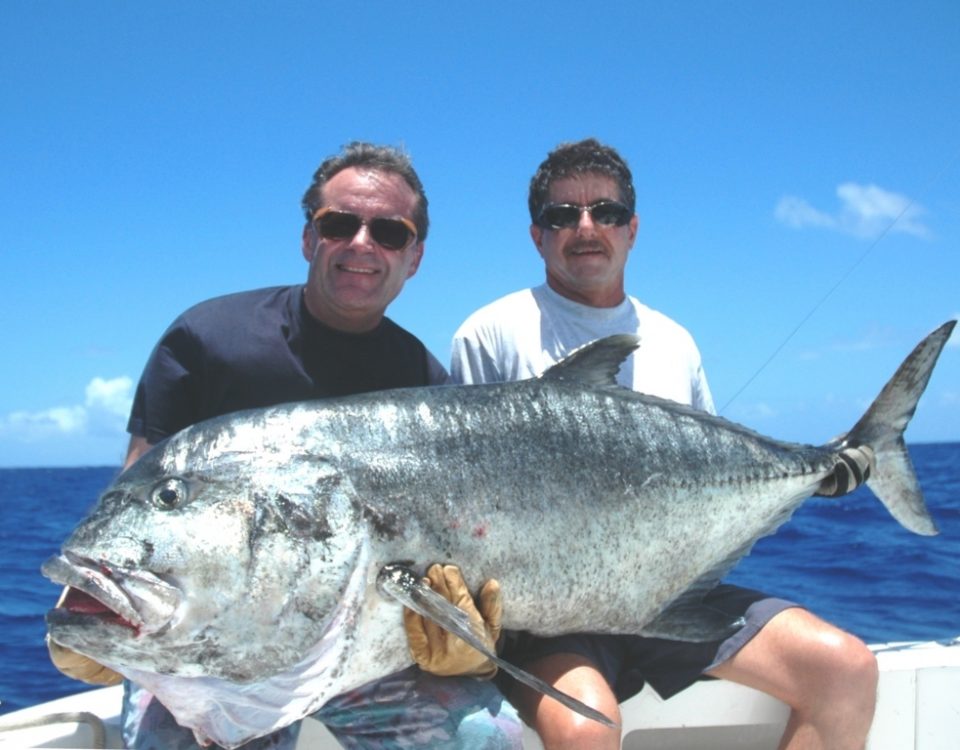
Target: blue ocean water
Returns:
[846, 560]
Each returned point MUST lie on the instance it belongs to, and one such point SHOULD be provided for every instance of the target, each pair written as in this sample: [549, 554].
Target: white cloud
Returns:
[112, 396]
[797, 213]
[866, 211]
[105, 409]
[62, 419]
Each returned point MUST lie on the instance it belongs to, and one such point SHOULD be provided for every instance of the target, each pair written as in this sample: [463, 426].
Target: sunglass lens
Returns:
[610, 214]
[560, 217]
[336, 225]
[390, 233]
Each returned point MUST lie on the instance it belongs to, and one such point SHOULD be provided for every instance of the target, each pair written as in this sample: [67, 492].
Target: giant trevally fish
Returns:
[232, 571]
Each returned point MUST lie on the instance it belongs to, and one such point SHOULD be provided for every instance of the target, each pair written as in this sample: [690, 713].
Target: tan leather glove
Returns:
[78, 666]
[439, 652]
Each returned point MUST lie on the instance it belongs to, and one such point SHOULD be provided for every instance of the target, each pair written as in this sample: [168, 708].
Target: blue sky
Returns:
[797, 170]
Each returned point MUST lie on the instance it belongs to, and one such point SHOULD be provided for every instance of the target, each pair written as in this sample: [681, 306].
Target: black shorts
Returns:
[629, 661]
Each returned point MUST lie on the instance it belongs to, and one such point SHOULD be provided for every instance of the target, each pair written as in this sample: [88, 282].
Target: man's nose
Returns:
[363, 240]
[586, 226]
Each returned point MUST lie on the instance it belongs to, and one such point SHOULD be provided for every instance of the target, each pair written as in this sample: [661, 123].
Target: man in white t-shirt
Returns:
[584, 225]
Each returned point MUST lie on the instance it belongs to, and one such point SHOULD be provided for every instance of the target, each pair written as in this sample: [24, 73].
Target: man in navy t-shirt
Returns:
[366, 222]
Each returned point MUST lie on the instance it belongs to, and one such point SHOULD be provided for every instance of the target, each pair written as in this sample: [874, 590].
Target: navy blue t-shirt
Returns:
[260, 348]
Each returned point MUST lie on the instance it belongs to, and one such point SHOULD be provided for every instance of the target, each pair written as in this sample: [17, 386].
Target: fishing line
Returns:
[839, 282]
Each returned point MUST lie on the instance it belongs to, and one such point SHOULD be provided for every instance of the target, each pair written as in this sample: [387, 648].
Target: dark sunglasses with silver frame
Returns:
[606, 213]
[390, 234]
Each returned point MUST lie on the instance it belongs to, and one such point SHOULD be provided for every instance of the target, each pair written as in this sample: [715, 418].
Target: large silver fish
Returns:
[232, 571]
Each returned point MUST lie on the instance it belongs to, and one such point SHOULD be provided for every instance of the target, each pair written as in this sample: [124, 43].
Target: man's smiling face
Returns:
[351, 281]
[585, 263]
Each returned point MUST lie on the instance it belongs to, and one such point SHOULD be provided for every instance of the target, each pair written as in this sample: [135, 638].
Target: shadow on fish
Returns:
[233, 570]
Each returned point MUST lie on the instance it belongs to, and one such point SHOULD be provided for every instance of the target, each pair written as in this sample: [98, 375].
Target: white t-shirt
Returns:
[523, 334]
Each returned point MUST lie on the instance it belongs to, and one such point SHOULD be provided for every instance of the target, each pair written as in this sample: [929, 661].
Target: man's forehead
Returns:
[588, 187]
[378, 188]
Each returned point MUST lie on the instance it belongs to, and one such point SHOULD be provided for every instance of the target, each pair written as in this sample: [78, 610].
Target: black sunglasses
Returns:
[567, 215]
[391, 234]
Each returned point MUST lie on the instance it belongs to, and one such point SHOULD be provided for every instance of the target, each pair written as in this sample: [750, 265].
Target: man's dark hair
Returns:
[588, 156]
[368, 156]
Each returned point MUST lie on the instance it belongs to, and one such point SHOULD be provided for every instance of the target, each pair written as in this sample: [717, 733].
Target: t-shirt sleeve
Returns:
[701, 397]
[436, 373]
[471, 360]
[166, 398]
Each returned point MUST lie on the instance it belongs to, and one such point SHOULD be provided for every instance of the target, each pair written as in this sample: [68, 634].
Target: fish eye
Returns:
[169, 494]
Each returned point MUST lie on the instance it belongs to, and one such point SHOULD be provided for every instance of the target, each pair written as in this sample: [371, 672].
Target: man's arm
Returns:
[138, 446]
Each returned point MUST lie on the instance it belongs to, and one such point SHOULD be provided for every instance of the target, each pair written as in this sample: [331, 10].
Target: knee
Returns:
[852, 663]
[841, 684]
[566, 729]
[863, 672]
[809, 664]
[840, 702]
[561, 728]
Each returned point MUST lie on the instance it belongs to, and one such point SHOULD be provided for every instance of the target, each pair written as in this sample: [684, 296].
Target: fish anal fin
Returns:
[689, 619]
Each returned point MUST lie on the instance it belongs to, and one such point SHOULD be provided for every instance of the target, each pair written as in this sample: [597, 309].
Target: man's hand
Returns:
[441, 653]
[78, 666]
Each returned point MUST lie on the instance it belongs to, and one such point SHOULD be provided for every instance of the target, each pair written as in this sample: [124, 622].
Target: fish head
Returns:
[211, 556]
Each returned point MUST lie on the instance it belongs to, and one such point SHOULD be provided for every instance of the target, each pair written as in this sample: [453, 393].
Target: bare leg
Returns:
[559, 727]
[827, 677]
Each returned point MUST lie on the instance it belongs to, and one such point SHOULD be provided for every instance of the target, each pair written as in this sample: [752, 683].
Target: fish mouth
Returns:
[104, 594]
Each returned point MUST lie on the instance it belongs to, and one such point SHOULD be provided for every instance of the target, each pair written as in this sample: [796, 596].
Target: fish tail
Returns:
[875, 448]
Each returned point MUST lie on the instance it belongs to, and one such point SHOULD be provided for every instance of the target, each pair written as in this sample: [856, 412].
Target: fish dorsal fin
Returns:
[597, 363]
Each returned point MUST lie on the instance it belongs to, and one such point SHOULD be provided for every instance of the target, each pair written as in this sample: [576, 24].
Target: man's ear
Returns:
[417, 251]
[308, 242]
[536, 234]
[634, 226]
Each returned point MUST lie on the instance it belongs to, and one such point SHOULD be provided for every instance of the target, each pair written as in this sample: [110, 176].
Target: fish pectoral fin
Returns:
[692, 620]
[401, 583]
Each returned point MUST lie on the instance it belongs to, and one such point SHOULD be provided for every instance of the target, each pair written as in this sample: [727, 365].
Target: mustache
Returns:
[587, 246]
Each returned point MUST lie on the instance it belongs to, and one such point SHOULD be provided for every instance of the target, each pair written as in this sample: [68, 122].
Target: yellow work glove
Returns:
[438, 651]
[78, 666]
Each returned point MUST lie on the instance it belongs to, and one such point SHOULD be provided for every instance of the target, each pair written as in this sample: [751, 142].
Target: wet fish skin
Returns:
[273, 524]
